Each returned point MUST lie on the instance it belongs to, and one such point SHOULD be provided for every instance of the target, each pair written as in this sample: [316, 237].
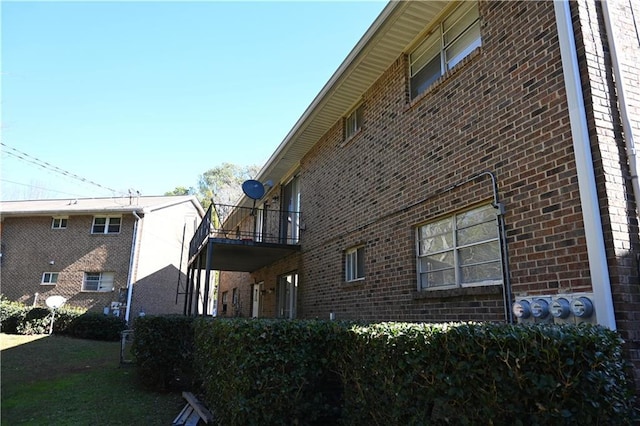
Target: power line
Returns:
[45, 165]
[39, 187]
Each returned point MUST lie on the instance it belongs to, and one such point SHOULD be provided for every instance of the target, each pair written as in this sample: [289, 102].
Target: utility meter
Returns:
[539, 308]
[560, 308]
[582, 307]
[522, 309]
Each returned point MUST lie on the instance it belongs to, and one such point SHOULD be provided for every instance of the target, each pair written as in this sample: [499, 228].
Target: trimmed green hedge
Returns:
[16, 318]
[272, 372]
[397, 373]
[163, 351]
[269, 372]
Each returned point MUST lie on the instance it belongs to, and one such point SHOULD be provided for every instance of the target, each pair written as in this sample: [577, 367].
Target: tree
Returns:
[181, 190]
[223, 183]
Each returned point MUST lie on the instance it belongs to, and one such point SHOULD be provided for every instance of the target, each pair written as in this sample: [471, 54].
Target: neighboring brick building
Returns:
[98, 252]
[467, 161]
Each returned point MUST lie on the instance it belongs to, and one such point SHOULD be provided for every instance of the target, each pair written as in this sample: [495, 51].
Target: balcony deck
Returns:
[232, 238]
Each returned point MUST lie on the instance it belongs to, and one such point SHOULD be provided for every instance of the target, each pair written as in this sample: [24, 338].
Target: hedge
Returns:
[163, 351]
[17, 318]
[273, 372]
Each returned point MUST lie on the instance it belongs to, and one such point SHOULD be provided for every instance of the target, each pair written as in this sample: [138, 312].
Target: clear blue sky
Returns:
[150, 95]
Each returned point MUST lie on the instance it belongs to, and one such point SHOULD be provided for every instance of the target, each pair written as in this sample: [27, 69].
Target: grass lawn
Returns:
[53, 380]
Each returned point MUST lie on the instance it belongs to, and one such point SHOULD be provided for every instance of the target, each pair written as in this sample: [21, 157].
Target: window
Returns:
[451, 41]
[354, 264]
[224, 302]
[234, 298]
[98, 281]
[353, 123]
[461, 250]
[287, 292]
[49, 278]
[106, 225]
[290, 225]
[59, 223]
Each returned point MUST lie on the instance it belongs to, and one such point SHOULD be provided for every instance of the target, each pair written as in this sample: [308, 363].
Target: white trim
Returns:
[598, 267]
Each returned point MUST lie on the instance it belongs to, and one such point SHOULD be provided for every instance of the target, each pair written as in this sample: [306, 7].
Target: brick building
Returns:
[123, 254]
[467, 161]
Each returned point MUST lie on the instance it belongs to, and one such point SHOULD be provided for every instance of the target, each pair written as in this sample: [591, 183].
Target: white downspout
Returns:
[131, 263]
[600, 282]
[622, 105]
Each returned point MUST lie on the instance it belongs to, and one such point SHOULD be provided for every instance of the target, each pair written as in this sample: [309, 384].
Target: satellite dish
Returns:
[253, 189]
[54, 302]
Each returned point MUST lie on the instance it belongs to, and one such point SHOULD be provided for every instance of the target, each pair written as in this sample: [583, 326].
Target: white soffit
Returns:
[392, 34]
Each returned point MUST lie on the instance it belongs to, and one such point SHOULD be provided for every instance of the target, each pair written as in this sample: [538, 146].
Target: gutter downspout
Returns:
[131, 262]
[598, 267]
[622, 104]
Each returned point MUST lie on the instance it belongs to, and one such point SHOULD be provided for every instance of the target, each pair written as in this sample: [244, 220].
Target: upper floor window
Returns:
[98, 281]
[451, 41]
[49, 278]
[354, 264]
[460, 250]
[106, 225]
[353, 123]
[59, 223]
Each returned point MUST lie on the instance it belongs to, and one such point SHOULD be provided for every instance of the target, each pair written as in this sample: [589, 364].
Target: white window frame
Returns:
[449, 246]
[104, 282]
[353, 123]
[108, 224]
[49, 278]
[59, 222]
[458, 33]
[354, 264]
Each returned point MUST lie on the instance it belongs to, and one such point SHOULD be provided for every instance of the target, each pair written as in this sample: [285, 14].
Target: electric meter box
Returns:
[559, 309]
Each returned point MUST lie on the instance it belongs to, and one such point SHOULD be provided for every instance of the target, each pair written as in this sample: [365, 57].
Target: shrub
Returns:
[269, 372]
[95, 326]
[277, 372]
[11, 315]
[70, 321]
[35, 321]
[163, 351]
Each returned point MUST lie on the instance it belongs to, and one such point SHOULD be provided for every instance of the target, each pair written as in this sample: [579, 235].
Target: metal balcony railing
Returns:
[262, 225]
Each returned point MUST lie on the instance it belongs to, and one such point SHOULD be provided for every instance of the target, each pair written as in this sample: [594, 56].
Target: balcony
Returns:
[234, 238]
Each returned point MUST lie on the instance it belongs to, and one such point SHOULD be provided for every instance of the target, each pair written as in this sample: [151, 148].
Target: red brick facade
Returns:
[30, 245]
[152, 227]
[502, 113]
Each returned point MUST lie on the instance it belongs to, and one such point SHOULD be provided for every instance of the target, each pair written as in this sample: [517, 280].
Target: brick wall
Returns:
[617, 203]
[29, 245]
[503, 110]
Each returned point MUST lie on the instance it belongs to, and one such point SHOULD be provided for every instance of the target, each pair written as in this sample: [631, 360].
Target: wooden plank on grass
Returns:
[204, 413]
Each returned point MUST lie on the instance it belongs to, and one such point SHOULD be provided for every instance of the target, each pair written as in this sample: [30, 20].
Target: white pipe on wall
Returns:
[600, 282]
[131, 263]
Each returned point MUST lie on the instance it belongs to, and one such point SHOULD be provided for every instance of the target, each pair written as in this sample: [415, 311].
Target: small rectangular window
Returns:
[98, 281]
[59, 223]
[106, 225]
[354, 264]
[353, 123]
[49, 278]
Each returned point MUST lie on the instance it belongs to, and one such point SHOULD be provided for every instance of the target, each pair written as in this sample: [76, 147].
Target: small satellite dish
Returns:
[54, 302]
[253, 189]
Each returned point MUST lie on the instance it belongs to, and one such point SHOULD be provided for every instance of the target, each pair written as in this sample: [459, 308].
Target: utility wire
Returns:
[45, 165]
[39, 187]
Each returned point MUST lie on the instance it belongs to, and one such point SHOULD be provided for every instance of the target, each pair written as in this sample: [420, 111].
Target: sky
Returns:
[102, 98]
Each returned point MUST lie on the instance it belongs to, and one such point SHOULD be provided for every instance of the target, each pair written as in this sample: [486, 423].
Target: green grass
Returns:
[53, 380]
